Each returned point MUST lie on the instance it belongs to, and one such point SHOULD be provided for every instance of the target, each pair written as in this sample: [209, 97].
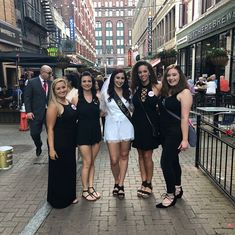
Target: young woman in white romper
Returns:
[118, 131]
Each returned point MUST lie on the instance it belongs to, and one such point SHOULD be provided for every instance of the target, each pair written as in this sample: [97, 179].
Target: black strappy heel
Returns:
[121, 193]
[115, 190]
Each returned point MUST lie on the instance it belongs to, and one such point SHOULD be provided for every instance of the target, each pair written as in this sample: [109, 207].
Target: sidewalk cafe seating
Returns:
[224, 120]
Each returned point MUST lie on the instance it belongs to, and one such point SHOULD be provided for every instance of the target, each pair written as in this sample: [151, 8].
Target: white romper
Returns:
[117, 126]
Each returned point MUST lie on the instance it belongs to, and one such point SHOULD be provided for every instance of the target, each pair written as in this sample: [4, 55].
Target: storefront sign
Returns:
[57, 37]
[53, 51]
[71, 28]
[150, 39]
[10, 35]
[213, 25]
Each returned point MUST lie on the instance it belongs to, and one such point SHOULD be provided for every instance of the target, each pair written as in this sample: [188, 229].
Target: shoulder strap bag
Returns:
[147, 116]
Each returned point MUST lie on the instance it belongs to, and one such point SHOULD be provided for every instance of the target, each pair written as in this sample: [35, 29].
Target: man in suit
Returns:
[36, 99]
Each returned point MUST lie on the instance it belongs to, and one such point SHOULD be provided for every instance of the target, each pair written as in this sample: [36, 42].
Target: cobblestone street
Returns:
[202, 210]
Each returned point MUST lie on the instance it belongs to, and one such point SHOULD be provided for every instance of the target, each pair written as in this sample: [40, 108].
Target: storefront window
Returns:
[233, 65]
[198, 61]
[185, 61]
[207, 67]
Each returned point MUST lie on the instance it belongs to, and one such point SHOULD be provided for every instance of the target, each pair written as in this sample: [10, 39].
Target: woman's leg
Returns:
[86, 153]
[148, 164]
[94, 149]
[114, 153]
[141, 165]
[123, 160]
[169, 155]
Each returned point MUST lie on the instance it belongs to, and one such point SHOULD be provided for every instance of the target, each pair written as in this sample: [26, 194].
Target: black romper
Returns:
[88, 131]
[143, 137]
[62, 172]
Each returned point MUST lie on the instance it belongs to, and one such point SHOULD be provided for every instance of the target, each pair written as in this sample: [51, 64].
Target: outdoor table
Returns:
[213, 110]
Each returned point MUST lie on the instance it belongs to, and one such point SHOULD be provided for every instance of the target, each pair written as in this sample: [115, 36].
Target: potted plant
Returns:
[168, 56]
[218, 56]
[63, 61]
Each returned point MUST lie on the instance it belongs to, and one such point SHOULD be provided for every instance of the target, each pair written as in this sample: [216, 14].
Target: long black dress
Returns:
[89, 130]
[144, 138]
[62, 172]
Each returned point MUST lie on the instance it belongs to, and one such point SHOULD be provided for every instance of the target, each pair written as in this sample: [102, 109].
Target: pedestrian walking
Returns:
[36, 98]
[61, 123]
[118, 131]
[145, 88]
[72, 79]
[88, 133]
[176, 99]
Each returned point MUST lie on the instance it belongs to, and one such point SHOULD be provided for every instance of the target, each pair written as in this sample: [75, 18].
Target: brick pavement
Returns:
[202, 210]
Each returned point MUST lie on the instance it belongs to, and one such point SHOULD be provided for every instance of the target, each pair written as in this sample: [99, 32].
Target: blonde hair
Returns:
[53, 97]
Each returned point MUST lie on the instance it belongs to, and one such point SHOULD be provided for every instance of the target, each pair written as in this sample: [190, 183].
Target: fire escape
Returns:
[50, 21]
[49, 16]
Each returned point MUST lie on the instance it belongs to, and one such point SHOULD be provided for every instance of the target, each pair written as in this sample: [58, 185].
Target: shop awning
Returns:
[26, 59]
[155, 62]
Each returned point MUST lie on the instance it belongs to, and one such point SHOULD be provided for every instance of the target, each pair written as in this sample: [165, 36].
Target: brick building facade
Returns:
[113, 32]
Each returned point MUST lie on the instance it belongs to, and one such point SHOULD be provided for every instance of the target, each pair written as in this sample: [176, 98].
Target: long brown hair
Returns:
[125, 86]
[135, 80]
[182, 84]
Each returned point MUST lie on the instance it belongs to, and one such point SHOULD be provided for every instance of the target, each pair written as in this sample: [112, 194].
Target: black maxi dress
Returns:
[144, 138]
[62, 172]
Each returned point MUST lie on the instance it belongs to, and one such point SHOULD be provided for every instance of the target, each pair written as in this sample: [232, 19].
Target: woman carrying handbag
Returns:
[145, 88]
[175, 98]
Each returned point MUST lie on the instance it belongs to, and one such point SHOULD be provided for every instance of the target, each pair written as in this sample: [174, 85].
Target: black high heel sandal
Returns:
[121, 193]
[147, 194]
[115, 190]
[140, 190]
[161, 205]
[180, 193]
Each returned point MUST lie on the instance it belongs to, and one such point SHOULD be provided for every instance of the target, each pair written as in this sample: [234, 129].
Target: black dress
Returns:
[89, 130]
[62, 172]
[144, 138]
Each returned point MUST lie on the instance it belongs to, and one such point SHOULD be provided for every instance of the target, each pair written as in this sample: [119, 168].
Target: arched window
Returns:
[119, 24]
[98, 25]
[109, 24]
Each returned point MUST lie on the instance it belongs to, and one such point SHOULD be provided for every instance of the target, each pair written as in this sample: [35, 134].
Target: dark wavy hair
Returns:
[80, 89]
[125, 86]
[135, 80]
[182, 84]
[73, 78]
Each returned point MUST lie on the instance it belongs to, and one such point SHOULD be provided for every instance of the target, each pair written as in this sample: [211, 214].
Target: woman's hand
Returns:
[53, 155]
[183, 145]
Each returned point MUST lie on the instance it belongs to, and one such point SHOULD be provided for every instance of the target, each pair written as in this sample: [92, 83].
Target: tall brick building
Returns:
[113, 32]
[79, 14]
[10, 35]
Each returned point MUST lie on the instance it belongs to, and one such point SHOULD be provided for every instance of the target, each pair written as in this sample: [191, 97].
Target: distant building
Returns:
[113, 32]
[78, 15]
